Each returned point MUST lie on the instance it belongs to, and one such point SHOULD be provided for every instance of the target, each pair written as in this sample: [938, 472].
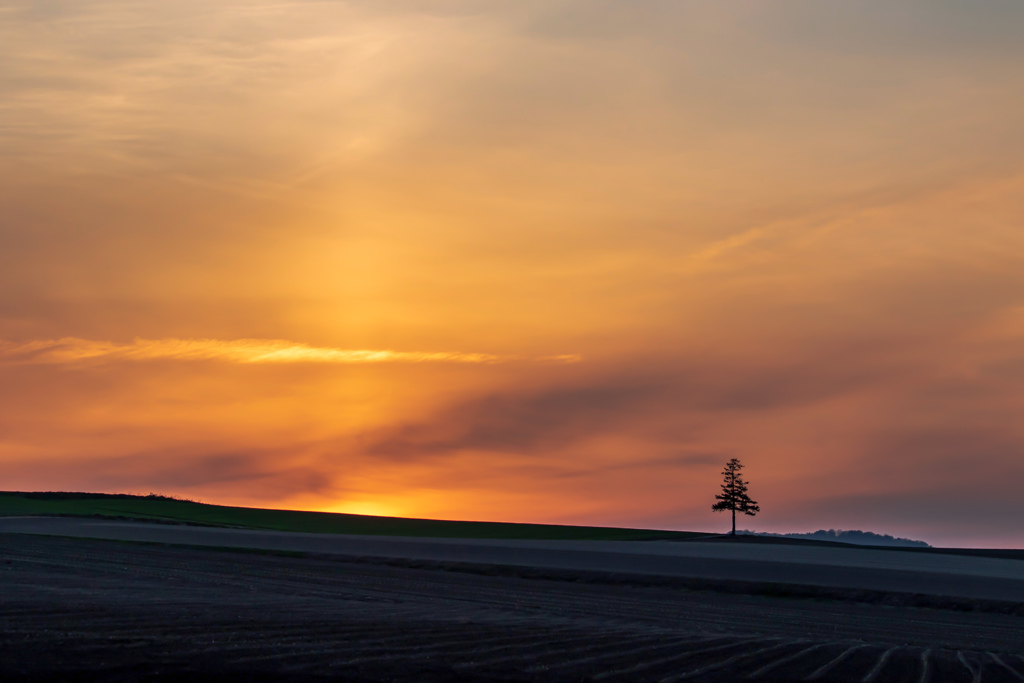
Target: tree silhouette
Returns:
[734, 494]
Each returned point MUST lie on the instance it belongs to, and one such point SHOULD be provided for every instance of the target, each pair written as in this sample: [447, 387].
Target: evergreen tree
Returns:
[734, 494]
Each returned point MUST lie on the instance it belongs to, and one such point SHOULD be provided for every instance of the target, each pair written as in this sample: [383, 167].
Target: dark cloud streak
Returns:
[536, 421]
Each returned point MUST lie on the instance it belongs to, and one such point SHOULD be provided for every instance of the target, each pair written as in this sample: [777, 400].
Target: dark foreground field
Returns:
[79, 609]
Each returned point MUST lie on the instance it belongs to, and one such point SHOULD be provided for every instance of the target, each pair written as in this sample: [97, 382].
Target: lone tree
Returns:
[734, 494]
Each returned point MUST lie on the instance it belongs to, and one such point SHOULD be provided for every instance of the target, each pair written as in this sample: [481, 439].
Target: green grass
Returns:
[160, 508]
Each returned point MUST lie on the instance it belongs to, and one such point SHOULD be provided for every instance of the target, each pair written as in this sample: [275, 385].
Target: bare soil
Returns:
[81, 609]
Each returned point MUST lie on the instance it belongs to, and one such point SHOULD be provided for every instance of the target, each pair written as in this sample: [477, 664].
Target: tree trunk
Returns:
[733, 522]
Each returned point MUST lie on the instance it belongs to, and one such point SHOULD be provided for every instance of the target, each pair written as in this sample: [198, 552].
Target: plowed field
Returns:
[79, 609]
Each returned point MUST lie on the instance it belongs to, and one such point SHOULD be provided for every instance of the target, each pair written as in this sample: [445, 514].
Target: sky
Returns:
[538, 261]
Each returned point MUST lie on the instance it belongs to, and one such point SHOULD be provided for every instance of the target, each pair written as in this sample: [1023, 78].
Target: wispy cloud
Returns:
[72, 349]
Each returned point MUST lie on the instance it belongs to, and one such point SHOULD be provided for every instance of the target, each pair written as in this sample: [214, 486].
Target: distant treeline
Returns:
[853, 536]
[78, 495]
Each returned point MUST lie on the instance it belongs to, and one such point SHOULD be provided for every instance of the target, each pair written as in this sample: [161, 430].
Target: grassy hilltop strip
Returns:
[165, 509]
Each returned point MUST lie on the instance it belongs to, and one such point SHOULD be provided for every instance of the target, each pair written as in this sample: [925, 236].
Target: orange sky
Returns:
[528, 261]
